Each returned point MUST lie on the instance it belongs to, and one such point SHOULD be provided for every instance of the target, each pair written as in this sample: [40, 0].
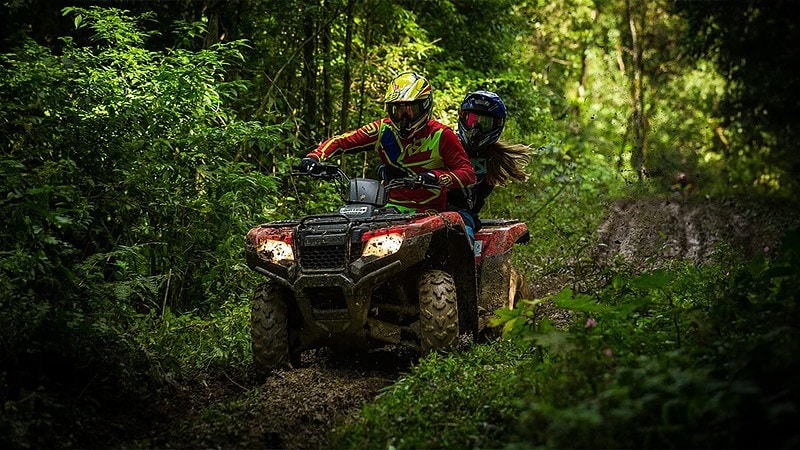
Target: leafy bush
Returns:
[126, 187]
[693, 356]
[664, 364]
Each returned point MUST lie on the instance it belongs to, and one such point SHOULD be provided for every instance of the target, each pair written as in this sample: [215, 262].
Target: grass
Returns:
[449, 401]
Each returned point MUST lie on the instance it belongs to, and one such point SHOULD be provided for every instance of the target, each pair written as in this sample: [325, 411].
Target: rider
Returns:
[481, 118]
[409, 143]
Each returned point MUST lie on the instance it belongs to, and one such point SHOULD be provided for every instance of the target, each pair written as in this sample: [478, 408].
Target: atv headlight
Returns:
[383, 245]
[277, 252]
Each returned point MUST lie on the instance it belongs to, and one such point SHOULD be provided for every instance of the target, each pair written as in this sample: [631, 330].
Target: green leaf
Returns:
[578, 302]
[61, 220]
[655, 280]
[556, 341]
[510, 325]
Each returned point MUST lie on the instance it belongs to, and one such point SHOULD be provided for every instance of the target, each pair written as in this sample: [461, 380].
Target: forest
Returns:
[141, 140]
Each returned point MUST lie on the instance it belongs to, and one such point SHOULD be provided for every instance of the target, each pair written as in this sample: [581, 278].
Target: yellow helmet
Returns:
[409, 101]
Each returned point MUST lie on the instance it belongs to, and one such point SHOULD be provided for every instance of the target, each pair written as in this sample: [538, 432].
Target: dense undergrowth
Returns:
[682, 357]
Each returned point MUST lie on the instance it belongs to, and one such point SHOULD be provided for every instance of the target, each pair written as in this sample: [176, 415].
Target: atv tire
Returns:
[269, 329]
[438, 311]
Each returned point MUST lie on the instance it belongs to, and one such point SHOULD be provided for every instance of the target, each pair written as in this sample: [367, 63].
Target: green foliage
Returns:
[759, 137]
[449, 401]
[692, 356]
[185, 345]
[564, 201]
[148, 144]
[127, 185]
[681, 370]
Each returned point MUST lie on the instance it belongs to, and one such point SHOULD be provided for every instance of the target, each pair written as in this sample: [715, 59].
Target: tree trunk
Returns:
[211, 11]
[637, 92]
[362, 89]
[327, 101]
[309, 78]
[584, 58]
[346, 80]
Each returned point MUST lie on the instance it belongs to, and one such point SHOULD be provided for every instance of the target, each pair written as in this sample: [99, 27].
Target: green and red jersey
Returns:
[434, 148]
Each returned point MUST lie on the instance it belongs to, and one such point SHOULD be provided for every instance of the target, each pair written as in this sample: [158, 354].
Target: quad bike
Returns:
[367, 275]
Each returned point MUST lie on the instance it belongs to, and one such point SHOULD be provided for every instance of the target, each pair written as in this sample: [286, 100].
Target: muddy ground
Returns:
[297, 408]
[293, 409]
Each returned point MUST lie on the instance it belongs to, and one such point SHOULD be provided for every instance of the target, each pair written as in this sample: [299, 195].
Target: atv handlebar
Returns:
[409, 183]
[321, 170]
[331, 172]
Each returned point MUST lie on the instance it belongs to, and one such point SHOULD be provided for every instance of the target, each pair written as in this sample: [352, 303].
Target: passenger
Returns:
[481, 119]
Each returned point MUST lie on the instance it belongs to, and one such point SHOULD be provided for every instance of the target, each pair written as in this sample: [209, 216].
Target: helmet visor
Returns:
[473, 120]
[405, 111]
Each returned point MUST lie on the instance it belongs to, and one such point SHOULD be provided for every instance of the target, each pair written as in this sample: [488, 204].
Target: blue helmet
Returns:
[481, 119]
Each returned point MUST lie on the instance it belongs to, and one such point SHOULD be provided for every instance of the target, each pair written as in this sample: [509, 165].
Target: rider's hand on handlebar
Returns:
[307, 165]
[427, 179]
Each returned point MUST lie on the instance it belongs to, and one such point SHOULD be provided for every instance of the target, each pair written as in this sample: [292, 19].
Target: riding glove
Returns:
[307, 165]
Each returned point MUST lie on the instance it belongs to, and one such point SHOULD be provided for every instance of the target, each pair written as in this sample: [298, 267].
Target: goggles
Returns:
[405, 110]
[482, 122]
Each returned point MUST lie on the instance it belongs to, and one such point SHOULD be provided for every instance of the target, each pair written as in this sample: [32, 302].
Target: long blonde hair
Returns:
[506, 161]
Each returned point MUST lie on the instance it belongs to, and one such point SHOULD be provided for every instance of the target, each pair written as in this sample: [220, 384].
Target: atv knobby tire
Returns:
[438, 311]
[269, 329]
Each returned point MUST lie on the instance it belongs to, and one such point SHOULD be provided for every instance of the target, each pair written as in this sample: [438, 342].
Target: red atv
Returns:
[368, 275]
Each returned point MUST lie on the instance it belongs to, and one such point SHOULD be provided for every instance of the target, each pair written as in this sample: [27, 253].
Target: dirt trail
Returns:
[652, 231]
[292, 408]
[297, 408]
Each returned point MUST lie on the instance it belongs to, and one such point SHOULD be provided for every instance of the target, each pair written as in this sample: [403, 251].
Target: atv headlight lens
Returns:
[277, 252]
[383, 245]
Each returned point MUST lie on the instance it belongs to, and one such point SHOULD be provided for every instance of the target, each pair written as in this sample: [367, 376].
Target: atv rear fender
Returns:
[498, 237]
[494, 244]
